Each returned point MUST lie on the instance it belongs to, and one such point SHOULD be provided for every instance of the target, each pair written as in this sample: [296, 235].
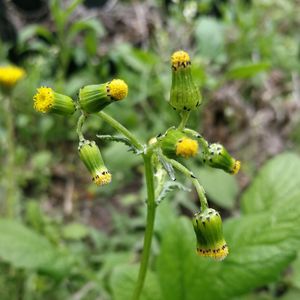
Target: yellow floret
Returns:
[217, 254]
[117, 89]
[9, 75]
[43, 99]
[180, 58]
[102, 178]
[236, 167]
[186, 147]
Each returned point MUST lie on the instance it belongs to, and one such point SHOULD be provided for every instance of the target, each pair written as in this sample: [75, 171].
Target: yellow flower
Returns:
[102, 178]
[186, 147]
[117, 89]
[47, 100]
[10, 75]
[43, 99]
[180, 58]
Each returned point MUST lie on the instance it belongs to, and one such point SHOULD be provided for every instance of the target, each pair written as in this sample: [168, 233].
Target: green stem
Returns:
[80, 122]
[10, 167]
[189, 174]
[119, 127]
[151, 206]
[184, 118]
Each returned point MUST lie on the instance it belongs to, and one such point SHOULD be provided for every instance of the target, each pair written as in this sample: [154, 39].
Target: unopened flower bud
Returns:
[93, 98]
[176, 143]
[218, 157]
[91, 156]
[47, 100]
[185, 95]
[209, 234]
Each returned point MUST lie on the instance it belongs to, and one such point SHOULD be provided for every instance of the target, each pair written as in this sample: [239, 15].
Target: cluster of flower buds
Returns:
[92, 99]
[175, 143]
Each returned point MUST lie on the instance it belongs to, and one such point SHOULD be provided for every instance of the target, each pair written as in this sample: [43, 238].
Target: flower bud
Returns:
[209, 234]
[93, 98]
[47, 100]
[91, 156]
[218, 157]
[10, 75]
[185, 95]
[176, 143]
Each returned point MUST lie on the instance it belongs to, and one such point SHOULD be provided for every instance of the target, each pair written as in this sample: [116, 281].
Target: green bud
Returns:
[47, 100]
[91, 156]
[93, 98]
[218, 157]
[176, 143]
[184, 96]
[209, 234]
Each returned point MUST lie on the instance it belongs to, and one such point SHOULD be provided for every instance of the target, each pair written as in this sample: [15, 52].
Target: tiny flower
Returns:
[176, 143]
[93, 98]
[91, 156]
[218, 157]
[10, 75]
[209, 233]
[185, 95]
[47, 100]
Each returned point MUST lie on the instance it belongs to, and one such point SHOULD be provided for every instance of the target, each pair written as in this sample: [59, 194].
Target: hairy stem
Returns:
[119, 127]
[184, 118]
[79, 127]
[151, 206]
[189, 174]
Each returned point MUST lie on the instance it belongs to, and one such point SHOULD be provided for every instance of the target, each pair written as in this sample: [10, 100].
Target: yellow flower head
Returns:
[117, 89]
[236, 167]
[43, 99]
[102, 178]
[186, 147]
[10, 75]
[180, 58]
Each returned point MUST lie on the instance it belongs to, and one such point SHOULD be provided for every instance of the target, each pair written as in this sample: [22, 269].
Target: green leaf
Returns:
[276, 182]
[123, 281]
[254, 260]
[168, 187]
[249, 70]
[23, 247]
[75, 231]
[221, 188]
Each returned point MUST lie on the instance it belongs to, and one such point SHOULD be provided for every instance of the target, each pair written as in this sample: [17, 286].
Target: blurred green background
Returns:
[68, 239]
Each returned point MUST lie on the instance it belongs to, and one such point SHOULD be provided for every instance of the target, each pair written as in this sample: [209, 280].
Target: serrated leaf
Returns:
[22, 247]
[123, 281]
[167, 166]
[275, 183]
[168, 187]
[118, 139]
